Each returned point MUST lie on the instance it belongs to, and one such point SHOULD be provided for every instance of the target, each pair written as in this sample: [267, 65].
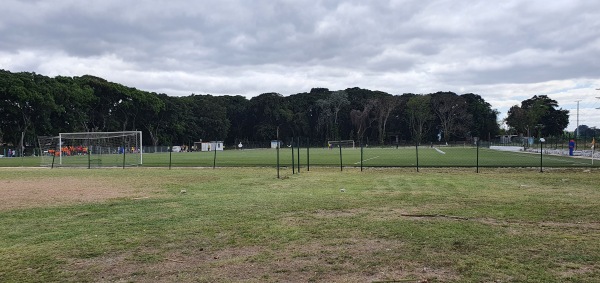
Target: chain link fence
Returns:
[303, 154]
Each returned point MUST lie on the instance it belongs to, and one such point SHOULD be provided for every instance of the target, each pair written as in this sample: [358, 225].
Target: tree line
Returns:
[33, 105]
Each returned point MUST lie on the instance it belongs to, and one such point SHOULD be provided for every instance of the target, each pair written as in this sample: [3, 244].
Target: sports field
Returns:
[224, 225]
[371, 157]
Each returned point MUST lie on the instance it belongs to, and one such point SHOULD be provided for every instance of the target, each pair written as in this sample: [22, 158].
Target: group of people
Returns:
[69, 150]
[11, 153]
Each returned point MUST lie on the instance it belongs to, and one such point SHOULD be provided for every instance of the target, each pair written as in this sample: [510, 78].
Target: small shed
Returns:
[274, 144]
[212, 146]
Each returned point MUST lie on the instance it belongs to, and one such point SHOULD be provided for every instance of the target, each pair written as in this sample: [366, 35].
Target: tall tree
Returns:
[485, 119]
[451, 110]
[206, 120]
[419, 114]
[384, 107]
[237, 112]
[73, 106]
[270, 112]
[330, 108]
[541, 113]
[25, 99]
[361, 120]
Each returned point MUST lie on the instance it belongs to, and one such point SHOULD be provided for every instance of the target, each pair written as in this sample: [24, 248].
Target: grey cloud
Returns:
[231, 46]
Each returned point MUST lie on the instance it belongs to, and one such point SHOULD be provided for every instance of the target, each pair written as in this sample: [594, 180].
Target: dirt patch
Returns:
[18, 193]
[334, 261]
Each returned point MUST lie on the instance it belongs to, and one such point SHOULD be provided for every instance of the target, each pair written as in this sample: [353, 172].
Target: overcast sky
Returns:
[505, 51]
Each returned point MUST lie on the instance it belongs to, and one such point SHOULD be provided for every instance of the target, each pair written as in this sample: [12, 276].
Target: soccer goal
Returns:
[92, 149]
[342, 143]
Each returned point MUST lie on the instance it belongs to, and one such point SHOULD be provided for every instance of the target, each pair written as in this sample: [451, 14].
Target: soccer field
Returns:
[371, 157]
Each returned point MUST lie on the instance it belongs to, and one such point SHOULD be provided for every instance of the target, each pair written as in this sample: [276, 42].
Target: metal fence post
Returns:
[417, 153]
[307, 154]
[293, 161]
[541, 154]
[341, 164]
[477, 143]
[361, 157]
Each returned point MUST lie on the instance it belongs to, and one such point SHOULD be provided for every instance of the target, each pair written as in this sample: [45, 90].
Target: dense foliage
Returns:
[538, 116]
[33, 105]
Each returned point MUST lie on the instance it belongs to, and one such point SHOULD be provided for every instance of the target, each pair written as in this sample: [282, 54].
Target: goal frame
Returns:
[342, 142]
[96, 135]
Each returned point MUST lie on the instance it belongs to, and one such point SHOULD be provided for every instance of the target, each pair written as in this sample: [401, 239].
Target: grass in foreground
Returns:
[234, 224]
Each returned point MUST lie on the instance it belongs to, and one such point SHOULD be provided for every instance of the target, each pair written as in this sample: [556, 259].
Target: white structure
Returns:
[212, 146]
[274, 144]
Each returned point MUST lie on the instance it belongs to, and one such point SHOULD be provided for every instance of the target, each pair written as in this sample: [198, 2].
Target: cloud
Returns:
[506, 51]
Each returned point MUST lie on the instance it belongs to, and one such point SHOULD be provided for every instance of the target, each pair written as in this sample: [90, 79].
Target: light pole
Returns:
[577, 129]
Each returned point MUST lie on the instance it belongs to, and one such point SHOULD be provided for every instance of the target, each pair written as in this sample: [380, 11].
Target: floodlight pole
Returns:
[577, 129]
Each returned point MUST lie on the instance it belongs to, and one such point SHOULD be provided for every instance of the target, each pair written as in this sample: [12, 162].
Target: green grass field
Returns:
[224, 225]
[372, 157]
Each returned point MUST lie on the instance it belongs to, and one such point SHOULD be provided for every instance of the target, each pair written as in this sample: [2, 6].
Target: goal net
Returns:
[92, 149]
[342, 143]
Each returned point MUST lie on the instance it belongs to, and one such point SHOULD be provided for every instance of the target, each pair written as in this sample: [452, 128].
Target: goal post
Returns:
[93, 149]
[342, 143]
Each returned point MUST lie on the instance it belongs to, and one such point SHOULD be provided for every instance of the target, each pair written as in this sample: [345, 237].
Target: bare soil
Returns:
[341, 261]
[37, 192]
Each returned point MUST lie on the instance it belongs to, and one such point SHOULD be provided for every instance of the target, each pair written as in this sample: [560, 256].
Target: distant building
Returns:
[212, 146]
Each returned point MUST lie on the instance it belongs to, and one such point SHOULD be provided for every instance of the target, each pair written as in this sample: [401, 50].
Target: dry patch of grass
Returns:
[351, 260]
[38, 192]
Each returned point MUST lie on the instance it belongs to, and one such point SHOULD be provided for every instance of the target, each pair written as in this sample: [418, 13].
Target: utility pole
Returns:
[577, 130]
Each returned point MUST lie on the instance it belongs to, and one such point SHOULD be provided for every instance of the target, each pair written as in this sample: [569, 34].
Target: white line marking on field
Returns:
[438, 150]
[367, 159]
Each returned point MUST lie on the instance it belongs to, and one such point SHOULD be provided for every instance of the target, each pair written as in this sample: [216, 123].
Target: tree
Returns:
[538, 111]
[484, 122]
[237, 112]
[451, 110]
[419, 114]
[25, 99]
[384, 107]
[148, 115]
[270, 111]
[73, 106]
[105, 114]
[329, 110]
[206, 119]
[361, 119]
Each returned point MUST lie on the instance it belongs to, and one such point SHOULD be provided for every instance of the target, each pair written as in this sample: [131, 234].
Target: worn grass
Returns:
[243, 224]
